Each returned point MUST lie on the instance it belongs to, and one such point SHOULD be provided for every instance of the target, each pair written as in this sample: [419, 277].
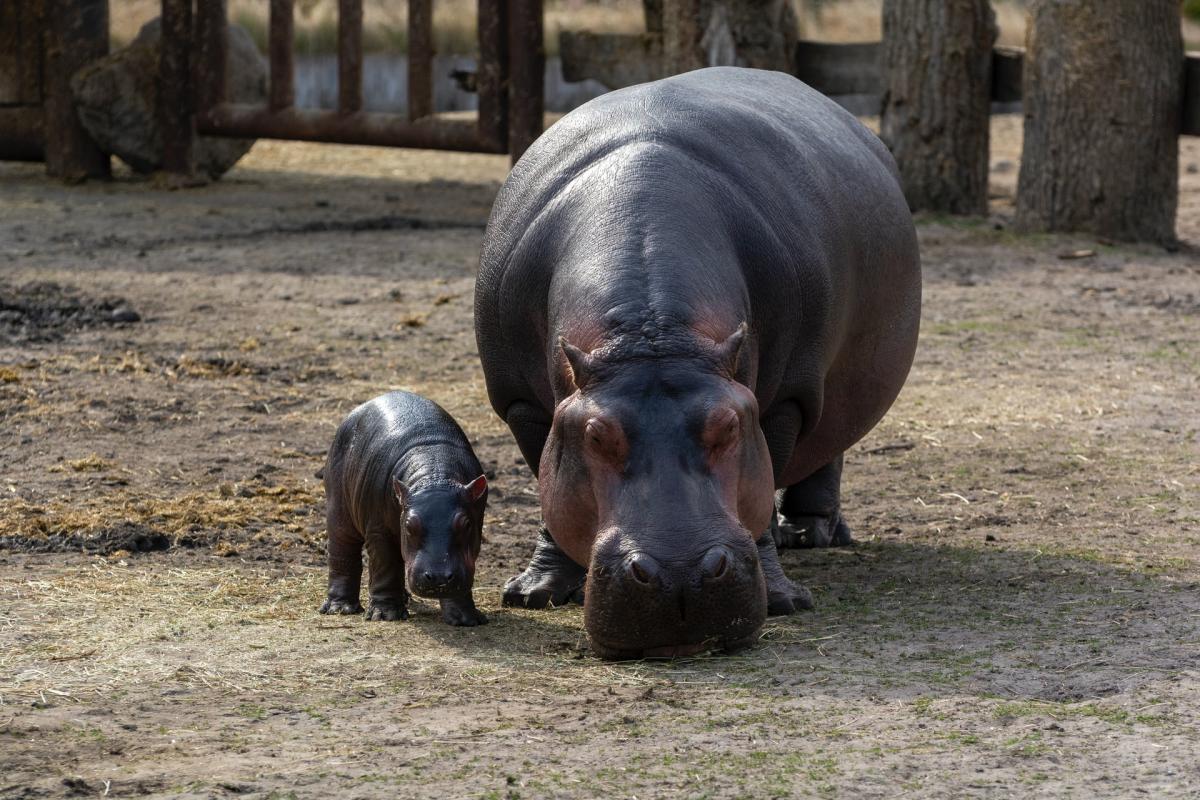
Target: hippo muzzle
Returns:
[643, 604]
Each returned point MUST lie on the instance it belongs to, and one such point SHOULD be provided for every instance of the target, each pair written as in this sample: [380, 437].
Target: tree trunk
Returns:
[1102, 93]
[937, 63]
[77, 33]
[724, 33]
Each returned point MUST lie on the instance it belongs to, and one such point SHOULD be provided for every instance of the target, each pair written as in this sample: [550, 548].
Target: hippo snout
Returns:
[644, 604]
[438, 578]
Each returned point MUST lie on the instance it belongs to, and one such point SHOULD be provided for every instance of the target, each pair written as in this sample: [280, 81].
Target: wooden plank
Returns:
[10, 40]
[836, 69]
[1190, 118]
[1007, 73]
[20, 52]
[22, 133]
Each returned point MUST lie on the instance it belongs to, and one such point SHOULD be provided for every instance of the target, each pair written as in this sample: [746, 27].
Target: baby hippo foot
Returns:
[783, 596]
[341, 605]
[550, 579]
[813, 530]
[387, 610]
[462, 612]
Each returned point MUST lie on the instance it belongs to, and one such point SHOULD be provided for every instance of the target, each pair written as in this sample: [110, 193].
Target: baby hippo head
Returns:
[440, 536]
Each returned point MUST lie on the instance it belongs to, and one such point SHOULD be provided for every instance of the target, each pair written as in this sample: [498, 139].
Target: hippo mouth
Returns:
[618, 653]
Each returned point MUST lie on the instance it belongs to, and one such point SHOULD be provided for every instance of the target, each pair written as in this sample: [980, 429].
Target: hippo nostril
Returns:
[643, 569]
[716, 562]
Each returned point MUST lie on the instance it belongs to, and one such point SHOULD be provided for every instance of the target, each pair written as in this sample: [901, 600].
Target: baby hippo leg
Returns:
[385, 565]
[345, 564]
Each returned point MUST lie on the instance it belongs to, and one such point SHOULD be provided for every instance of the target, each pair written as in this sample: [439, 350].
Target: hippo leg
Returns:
[385, 566]
[783, 596]
[812, 511]
[551, 578]
[345, 563]
[462, 611]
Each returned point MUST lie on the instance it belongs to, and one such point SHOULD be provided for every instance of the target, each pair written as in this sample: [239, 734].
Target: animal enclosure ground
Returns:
[1021, 615]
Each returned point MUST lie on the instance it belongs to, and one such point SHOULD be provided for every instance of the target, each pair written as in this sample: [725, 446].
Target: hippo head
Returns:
[441, 535]
[656, 475]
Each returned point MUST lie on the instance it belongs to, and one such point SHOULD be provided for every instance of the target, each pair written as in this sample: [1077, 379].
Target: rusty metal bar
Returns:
[212, 38]
[491, 73]
[176, 106]
[77, 32]
[420, 58]
[315, 125]
[350, 60]
[22, 133]
[527, 69]
[283, 72]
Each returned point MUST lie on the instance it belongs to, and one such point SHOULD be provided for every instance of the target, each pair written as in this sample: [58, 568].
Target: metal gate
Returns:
[37, 117]
[508, 80]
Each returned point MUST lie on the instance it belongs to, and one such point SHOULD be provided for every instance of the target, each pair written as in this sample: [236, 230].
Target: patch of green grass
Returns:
[251, 711]
[1033, 708]
[1028, 745]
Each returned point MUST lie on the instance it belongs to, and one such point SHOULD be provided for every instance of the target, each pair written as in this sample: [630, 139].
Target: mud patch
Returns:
[131, 537]
[45, 311]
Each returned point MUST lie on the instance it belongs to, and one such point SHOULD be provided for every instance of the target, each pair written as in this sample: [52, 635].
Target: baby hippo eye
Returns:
[412, 526]
[461, 522]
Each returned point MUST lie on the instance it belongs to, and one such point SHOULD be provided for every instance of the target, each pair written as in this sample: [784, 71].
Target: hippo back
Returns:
[822, 256]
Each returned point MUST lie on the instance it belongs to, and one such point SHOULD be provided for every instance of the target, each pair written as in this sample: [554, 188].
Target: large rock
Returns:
[117, 101]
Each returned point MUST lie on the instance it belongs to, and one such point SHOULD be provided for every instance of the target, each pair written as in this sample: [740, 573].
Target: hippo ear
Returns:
[477, 489]
[401, 492]
[581, 363]
[728, 351]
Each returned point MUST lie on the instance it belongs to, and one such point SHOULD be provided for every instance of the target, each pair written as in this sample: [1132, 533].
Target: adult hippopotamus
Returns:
[692, 292]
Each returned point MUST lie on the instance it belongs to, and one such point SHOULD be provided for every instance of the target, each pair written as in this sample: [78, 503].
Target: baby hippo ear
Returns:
[401, 492]
[477, 489]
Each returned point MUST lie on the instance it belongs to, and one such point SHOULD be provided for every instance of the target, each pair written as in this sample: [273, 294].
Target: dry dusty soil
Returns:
[1021, 616]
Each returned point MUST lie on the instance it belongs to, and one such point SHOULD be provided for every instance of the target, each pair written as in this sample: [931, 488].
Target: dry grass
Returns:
[228, 507]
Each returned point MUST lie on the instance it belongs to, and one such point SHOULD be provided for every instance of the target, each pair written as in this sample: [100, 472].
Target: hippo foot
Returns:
[386, 611]
[339, 605]
[783, 596]
[462, 613]
[813, 530]
[551, 578]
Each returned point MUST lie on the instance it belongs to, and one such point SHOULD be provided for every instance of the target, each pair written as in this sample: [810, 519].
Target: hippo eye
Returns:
[596, 431]
[461, 522]
[605, 440]
[412, 525]
[724, 429]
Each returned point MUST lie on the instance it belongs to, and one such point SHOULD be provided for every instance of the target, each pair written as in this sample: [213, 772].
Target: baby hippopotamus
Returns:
[402, 478]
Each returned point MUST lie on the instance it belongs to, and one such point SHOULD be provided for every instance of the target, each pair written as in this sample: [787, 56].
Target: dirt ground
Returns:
[1021, 616]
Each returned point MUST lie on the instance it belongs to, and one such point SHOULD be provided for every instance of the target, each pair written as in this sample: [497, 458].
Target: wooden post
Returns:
[77, 33]
[176, 104]
[527, 70]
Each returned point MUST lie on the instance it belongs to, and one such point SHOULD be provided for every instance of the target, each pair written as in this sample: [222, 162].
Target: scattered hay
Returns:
[91, 463]
[8, 375]
[271, 513]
